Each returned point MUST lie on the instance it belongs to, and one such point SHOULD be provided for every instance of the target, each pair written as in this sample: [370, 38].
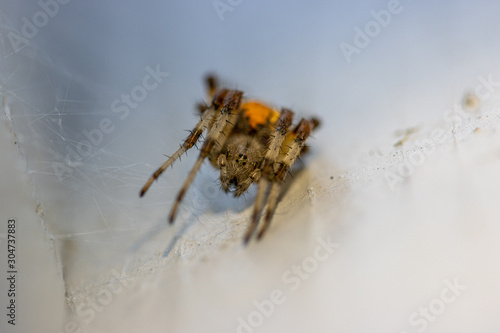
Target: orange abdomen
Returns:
[259, 114]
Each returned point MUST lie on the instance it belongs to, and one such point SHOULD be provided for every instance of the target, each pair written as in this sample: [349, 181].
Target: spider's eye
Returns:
[240, 155]
[244, 163]
[228, 154]
[255, 164]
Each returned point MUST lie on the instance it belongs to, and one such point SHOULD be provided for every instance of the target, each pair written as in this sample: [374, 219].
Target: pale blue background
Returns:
[285, 52]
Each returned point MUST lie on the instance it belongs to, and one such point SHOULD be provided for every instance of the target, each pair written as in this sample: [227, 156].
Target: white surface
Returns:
[91, 258]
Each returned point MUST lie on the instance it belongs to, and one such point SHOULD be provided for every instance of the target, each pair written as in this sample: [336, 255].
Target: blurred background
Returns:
[95, 93]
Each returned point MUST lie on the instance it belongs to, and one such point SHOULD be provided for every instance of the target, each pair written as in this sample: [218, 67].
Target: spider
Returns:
[249, 142]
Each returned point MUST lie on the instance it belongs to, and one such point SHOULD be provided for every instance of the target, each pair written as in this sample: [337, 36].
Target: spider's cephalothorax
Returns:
[248, 142]
[239, 163]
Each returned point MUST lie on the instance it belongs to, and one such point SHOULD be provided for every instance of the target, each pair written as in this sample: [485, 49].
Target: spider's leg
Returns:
[190, 141]
[271, 207]
[268, 167]
[185, 186]
[212, 85]
[276, 143]
[259, 199]
[244, 185]
[292, 151]
[227, 104]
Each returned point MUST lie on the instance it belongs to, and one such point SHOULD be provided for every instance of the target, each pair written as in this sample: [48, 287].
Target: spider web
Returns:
[86, 166]
[438, 222]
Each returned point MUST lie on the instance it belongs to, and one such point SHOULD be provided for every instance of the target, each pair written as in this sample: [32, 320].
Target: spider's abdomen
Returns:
[259, 114]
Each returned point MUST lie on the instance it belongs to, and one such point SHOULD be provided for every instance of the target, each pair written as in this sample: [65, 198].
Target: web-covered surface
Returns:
[79, 140]
[401, 219]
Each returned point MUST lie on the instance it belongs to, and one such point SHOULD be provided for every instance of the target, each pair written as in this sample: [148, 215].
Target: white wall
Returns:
[406, 221]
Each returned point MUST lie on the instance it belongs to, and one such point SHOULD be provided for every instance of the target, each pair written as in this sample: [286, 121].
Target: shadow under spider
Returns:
[222, 202]
[194, 216]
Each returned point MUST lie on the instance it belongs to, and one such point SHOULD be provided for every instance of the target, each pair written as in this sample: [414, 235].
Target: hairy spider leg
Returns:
[292, 148]
[271, 207]
[190, 141]
[268, 167]
[227, 104]
[211, 86]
